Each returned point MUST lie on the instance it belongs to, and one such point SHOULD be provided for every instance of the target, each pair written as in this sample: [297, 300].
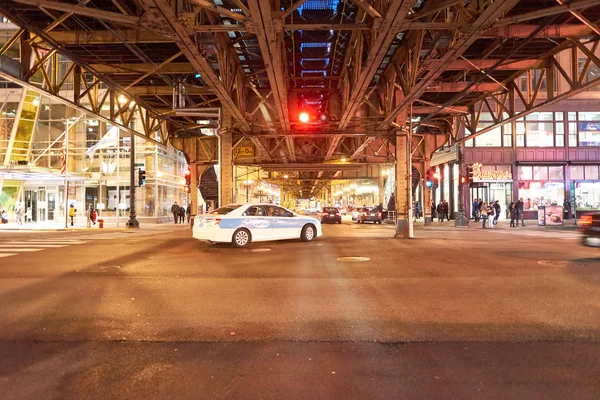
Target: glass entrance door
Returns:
[52, 200]
[42, 205]
[31, 203]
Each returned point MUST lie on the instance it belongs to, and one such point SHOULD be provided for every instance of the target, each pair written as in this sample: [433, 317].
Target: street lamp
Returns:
[247, 184]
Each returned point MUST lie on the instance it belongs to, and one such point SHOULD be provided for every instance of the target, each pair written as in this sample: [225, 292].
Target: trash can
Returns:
[101, 223]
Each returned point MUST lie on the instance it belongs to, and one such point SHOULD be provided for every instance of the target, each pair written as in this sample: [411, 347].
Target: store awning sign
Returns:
[490, 175]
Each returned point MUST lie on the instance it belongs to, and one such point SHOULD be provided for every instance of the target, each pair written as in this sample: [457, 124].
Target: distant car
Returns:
[241, 224]
[371, 214]
[343, 210]
[331, 214]
[355, 213]
[590, 224]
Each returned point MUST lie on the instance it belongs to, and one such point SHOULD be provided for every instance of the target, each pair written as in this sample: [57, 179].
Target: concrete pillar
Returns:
[427, 194]
[403, 180]
[226, 160]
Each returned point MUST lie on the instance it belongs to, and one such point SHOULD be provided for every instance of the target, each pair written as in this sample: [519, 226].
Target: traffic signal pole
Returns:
[461, 219]
[133, 222]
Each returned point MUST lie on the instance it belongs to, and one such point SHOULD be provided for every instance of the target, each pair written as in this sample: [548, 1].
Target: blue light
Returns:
[429, 184]
[198, 75]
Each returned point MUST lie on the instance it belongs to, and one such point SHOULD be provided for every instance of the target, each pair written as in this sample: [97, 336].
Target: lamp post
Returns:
[247, 184]
[385, 173]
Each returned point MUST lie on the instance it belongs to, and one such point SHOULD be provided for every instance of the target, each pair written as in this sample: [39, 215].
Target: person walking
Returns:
[491, 214]
[513, 214]
[432, 212]
[566, 209]
[188, 212]
[28, 215]
[181, 214]
[93, 214]
[440, 212]
[19, 211]
[175, 211]
[445, 209]
[72, 212]
[497, 210]
[483, 212]
[475, 210]
[88, 214]
[418, 210]
[519, 206]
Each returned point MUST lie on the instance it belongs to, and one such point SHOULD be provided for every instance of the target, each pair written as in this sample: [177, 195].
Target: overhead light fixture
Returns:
[343, 159]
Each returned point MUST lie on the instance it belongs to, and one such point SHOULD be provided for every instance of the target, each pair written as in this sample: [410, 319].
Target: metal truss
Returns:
[512, 103]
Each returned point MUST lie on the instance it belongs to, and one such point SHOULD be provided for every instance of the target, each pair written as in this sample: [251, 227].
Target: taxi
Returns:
[241, 224]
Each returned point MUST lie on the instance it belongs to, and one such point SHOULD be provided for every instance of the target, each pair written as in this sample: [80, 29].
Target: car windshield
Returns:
[330, 210]
[224, 210]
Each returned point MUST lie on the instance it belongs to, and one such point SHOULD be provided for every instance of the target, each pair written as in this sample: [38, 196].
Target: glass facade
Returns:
[541, 186]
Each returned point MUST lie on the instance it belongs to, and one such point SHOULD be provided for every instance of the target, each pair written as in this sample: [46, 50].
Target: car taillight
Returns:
[364, 213]
[337, 213]
[586, 220]
[379, 214]
[325, 214]
[214, 221]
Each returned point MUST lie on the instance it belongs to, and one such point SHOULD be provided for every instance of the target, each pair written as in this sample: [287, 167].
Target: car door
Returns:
[285, 224]
[255, 219]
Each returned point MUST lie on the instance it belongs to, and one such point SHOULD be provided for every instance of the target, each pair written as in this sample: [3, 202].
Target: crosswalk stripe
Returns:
[30, 250]
[7, 254]
[55, 241]
[17, 245]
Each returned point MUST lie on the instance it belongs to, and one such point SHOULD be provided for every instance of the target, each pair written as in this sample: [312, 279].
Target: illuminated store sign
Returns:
[490, 175]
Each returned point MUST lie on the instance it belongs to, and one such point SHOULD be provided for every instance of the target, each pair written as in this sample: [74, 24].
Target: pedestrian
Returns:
[513, 214]
[432, 211]
[491, 214]
[483, 212]
[4, 216]
[566, 209]
[497, 210]
[519, 206]
[19, 211]
[28, 215]
[475, 210]
[445, 209]
[440, 212]
[88, 214]
[188, 212]
[181, 214]
[392, 203]
[418, 210]
[175, 211]
[72, 212]
[93, 214]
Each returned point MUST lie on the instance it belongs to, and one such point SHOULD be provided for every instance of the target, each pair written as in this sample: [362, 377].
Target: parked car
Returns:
[331, 214]
[356, 213]
[241, 224]
[371, 214]
[590, 227]
[343, 210]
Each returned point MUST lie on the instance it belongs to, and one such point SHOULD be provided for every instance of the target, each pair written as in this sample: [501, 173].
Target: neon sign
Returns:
[490, 175]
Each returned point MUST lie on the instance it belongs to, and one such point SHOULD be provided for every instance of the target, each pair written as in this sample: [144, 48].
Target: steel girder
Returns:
[541, 88]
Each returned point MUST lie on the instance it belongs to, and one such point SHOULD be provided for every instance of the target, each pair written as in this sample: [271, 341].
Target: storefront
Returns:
[491, 183]
[585, 187]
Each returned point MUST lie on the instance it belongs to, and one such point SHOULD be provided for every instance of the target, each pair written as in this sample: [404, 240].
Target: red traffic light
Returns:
[188, 172]
[304, 117]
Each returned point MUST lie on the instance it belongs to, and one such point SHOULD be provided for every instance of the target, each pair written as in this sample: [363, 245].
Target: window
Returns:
[591, 172]
[256, 211]
[536, 194]
[282, 212]
[587, 195]
[520, 134]
[593, 71]
[539, 134]
[224, 210]
[525, 173]
[492, 138]
[556, 173]
[577, 172]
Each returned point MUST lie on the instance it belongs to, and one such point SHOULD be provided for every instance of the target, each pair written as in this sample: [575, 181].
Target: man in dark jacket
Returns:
[440, 212]
[446, 209]
[497, 211]
[181, 214]
[519, 206]
[175, 211]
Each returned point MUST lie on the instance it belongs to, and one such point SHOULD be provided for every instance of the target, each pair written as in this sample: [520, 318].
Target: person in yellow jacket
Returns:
[72, 211]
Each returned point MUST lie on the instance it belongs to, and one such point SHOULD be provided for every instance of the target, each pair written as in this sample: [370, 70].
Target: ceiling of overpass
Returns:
[357, 63]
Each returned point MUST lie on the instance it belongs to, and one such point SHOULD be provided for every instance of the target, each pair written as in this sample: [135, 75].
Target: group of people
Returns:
[489, 213]
[441, 210]
[22, 215]
[179, 213]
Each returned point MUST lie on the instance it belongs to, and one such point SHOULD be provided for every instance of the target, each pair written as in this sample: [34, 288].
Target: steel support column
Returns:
[133, 222]
[226, 160]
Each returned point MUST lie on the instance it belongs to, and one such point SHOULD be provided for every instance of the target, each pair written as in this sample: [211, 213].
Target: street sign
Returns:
[243, 151]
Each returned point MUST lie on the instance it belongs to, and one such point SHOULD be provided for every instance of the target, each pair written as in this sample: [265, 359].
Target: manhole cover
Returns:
[561, 264]
[259, 250]
[100, 269]
[353, 258]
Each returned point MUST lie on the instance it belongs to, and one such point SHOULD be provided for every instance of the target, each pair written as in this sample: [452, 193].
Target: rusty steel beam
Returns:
[386, 33]
[183, 40]
[487, 18]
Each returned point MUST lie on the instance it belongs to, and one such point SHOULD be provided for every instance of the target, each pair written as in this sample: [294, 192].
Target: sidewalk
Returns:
[505, 224]
[82, 226]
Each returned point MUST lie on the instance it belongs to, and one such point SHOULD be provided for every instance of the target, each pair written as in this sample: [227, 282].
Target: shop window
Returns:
[507, 135]
[560, 134]
[540, 173]
[558, 116]
[537, 194]
[587, 195]
[539, 116]
[589, 133]
[577, 172]
[539, 134]
[591, 172]
[556, 173]
[525, 173]
[492, 138]
[572, 134]
[520, 134]
[572, 116]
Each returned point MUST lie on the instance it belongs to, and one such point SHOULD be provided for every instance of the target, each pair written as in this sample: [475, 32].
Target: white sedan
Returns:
[241, 224]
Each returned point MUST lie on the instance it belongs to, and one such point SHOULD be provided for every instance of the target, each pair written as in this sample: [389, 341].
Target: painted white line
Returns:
[19, 250]
[32, 245]
[7, 254]
[55, 241]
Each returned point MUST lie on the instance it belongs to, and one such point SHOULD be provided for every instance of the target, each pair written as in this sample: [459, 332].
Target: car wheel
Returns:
[379, 222]
[241, 238]
[308, 233]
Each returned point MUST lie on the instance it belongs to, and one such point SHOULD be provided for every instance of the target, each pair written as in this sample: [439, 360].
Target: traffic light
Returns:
[430, 178]
[469, 173]
[141, 177]
[188, 180]
[436, 177]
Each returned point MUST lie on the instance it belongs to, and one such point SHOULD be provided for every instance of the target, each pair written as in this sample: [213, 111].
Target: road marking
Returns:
[20, 250]
[18, 245]
[55, 241]
[7, 254]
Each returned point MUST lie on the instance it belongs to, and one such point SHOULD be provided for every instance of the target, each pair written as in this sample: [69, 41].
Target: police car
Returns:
[241, 224]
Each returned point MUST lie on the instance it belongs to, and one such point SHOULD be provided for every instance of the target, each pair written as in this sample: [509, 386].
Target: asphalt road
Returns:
[454, 313]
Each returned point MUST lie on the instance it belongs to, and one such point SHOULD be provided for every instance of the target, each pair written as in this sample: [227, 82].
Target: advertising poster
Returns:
[541, 216]
[554, 215]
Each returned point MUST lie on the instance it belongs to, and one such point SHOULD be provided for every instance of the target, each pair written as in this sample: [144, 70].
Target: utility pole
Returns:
[133, 222]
